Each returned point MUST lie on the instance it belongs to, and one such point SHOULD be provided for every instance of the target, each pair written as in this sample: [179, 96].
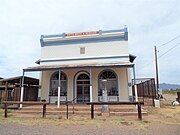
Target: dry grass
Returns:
[169, 115]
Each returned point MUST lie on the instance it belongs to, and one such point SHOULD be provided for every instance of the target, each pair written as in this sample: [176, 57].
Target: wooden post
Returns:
[92, 111]
[152, 93]
[67, 110]
[73, 107]
[6, 110]
[44, 110]
[18, 91]
[157, 77]
[139, 111]
[6, 91]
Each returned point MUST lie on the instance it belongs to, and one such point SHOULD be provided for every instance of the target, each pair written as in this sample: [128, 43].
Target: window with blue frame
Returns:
[54, 83]
[108, 80]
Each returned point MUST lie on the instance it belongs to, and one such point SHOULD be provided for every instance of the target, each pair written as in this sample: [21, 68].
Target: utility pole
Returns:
[156, 64]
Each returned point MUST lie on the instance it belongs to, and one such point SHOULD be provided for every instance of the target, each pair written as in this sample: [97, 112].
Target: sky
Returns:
[150, 23]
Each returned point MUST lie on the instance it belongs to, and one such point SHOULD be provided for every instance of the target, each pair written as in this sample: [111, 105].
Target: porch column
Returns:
[59, 89]
[22, 89]
[41, 84]
[135, 86]
[90, 84]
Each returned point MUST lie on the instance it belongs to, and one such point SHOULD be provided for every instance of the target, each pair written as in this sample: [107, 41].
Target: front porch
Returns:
[84, 83]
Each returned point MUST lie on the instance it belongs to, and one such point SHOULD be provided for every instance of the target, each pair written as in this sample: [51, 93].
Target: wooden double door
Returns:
[83, 88]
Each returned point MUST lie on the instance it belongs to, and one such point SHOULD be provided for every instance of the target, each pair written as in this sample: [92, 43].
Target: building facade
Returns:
[80, 66]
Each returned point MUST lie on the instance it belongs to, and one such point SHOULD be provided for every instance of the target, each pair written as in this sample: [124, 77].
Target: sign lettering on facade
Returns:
[82, 33]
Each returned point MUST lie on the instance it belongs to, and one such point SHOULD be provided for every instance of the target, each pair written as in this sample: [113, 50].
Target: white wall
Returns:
[122, 83]
[102, 49]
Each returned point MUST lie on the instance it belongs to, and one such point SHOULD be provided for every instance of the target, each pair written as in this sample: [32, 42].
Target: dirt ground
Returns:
[159, 121]
[170, 97]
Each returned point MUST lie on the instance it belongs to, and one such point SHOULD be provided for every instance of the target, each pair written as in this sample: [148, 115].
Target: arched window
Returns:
[54, 83]
[108, 80]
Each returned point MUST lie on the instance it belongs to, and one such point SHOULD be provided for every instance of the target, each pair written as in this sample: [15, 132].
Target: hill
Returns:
[166, 86]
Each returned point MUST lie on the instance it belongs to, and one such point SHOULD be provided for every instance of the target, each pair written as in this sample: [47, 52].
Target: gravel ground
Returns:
[103, 129]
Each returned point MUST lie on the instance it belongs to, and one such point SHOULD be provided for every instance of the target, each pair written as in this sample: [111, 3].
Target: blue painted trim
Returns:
[60, 79]
[52, 36]
[94, 58]
[100, 32]
[22, 83]
[42, 43]
[113, 31]
[90, 71]
[134, 74]
[84, 40]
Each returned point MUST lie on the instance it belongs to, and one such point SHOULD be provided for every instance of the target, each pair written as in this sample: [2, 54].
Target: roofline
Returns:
[100, 36]
[100, 32]
[132, 57]
[16, 77]
[88, 58]
[57, 67]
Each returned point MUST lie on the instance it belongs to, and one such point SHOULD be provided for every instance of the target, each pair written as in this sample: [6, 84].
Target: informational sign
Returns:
[82, 33]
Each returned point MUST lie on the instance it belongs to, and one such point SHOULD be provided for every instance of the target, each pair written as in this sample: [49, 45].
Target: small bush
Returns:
[171, 91]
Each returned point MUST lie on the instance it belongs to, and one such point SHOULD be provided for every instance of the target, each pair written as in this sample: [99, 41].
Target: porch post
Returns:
[135, 86]
[59, 89]
[22, 89]
[90, 84]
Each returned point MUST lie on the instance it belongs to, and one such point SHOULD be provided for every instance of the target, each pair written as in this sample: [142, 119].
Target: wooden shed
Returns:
[10, 89]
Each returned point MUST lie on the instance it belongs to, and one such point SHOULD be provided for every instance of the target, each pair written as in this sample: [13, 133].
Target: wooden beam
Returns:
[25, 102]
[114, 103]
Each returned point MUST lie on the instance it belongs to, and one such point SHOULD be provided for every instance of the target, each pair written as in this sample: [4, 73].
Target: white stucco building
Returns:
[79, 66]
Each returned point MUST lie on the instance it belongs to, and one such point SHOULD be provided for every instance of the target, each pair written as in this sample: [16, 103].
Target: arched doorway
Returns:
[83, 88]
[110, 83]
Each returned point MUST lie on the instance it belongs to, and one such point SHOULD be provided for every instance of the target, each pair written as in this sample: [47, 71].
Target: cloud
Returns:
[149, 22]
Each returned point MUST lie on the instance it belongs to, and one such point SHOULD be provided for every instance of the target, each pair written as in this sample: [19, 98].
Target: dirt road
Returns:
[161, 121]
[104, 129]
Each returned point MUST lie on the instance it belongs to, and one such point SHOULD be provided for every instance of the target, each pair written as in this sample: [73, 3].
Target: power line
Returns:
[168, 41]
[162, 54]
[169, 50]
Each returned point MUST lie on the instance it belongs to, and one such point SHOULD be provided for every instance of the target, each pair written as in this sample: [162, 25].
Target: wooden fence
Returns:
[146, 91]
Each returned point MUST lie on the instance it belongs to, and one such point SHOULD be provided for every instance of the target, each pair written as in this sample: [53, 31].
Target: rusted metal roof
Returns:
[72, 66]
[17, 79]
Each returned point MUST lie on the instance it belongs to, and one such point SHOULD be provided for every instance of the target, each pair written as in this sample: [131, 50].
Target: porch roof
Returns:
[76, 66]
